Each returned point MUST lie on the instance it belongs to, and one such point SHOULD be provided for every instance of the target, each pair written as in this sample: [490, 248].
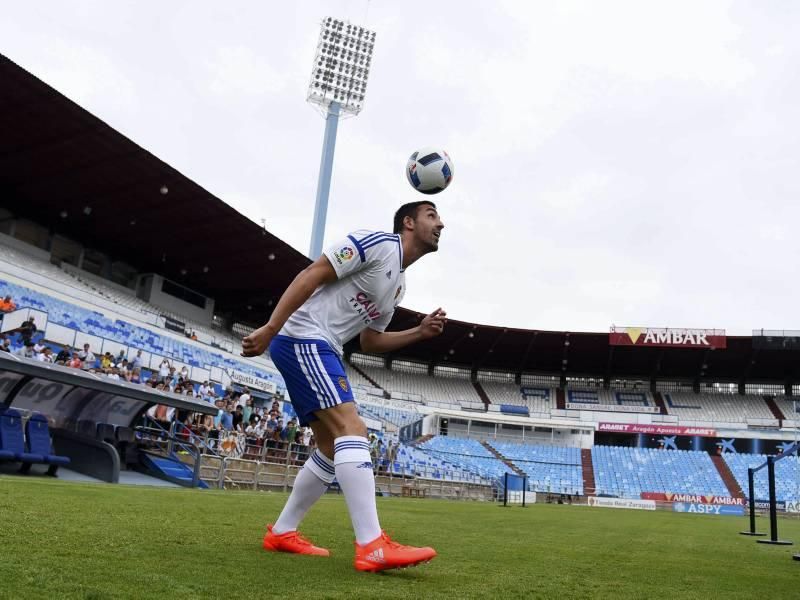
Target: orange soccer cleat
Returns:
[382, 553]
[293, 542]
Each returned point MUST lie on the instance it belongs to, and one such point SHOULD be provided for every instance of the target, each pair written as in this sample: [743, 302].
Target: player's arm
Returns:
[307, 281]
[387, 341]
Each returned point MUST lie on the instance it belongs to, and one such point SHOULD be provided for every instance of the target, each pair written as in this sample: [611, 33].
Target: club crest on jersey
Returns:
[344, 254]
[343, 383]
[388, 274]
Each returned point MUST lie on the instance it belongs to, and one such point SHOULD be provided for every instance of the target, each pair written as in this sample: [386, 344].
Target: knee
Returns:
[351, 426]
[326, 448]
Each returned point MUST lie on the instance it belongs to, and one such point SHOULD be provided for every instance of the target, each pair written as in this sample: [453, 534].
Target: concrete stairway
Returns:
[587, 468]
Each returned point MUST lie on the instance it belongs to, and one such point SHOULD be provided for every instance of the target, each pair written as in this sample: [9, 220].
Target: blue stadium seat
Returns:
[12, 439]
[39, 443]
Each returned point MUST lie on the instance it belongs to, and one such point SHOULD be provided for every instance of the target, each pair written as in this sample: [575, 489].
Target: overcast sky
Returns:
[628, 163]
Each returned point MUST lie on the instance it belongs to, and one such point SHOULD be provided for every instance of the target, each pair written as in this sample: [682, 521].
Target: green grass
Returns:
[70, 540]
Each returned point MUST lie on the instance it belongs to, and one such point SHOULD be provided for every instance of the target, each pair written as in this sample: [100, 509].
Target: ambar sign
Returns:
[667, 338]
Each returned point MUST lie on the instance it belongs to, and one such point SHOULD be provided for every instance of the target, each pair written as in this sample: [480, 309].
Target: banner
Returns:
[656, 429]
[793, 507]
[622, 503]
[174, 324]
[251, 381]
[693, 498]
[779, 505]
[667, 338]
[708, 509]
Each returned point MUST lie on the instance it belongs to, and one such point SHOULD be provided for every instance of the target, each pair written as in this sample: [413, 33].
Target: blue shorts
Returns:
[314, 375]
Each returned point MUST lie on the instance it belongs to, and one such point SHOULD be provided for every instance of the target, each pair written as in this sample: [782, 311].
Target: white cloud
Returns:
[616, 162]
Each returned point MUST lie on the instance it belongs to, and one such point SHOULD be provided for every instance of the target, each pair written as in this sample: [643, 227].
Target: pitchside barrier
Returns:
[773, 504]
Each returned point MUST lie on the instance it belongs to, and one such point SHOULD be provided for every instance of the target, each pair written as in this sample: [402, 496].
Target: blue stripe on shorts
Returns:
[314, 375]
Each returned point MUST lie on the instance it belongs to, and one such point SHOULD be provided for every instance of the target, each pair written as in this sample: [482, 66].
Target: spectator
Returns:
[7, 305]
[113, 373]
[244, 397]
[163, 370]
[247, 410]
[291, 431]
[185, 373]
[45, 356]
[106, 362]
[123, 366]
[27, 330]
[237, 419]
[136, 375]
[75, 361]
[136, 363]
[27, 351]
[87, 357]
[193, 336]
[62, 357]
[227, 419]
[172, 379]
[38, 347]
[5, 346]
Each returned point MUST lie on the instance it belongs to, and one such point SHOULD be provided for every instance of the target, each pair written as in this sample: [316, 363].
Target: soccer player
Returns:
[353, 288]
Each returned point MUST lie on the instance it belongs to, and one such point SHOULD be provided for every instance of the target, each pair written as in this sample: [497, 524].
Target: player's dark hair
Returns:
[408, 210]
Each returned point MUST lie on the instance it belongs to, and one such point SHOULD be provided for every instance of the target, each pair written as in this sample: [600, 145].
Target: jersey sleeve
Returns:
[354, 253]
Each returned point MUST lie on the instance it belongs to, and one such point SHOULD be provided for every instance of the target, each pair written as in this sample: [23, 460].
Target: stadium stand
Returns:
[720, 409]
[106, 296]
[177, 349]
[466, 453]
[510, 394]
[442, 390]
[598, 398]
[790, 410]
[549, 468]
[417, 462]
[787, 475]
[627, 472]
[388, 412]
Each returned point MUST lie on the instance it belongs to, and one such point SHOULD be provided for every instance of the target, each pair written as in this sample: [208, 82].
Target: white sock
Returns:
[309, 485]
[355, 477]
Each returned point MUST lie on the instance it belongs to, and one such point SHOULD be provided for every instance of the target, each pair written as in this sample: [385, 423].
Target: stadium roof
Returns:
[56, 157]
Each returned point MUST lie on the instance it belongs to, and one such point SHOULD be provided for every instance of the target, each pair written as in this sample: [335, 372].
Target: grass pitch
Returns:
[72, 540]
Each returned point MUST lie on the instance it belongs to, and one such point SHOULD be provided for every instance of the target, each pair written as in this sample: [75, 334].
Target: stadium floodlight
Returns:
[338, 87]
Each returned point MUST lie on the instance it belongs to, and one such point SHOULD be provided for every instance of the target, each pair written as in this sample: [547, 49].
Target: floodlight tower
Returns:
[338, 85]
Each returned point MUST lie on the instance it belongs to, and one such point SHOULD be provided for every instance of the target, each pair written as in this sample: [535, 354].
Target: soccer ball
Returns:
[429, 170]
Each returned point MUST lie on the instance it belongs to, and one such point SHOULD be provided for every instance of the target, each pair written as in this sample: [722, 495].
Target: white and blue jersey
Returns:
[370, 285]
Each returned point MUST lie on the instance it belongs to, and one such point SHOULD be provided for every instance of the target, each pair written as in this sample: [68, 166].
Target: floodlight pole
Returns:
[324, 181]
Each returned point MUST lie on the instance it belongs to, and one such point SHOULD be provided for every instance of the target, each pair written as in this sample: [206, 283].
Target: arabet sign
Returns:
[667, 338]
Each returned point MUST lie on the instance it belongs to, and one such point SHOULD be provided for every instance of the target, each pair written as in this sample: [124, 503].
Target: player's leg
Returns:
[318, 471]
[311, 482]
[353, 466]
[375, 551]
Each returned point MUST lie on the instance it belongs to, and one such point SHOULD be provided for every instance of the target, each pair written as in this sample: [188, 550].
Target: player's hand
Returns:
[433, 324]
[257, 342]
